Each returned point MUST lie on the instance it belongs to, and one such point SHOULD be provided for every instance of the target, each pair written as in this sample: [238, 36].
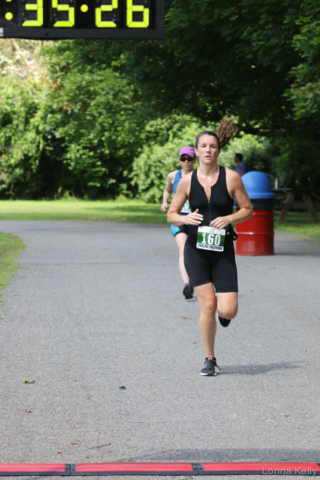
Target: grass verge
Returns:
[126, 211]
[121, 210]
[10, 247]
[299, 223]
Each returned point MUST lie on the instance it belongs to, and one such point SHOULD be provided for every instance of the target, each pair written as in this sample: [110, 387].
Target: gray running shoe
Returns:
[209, 368]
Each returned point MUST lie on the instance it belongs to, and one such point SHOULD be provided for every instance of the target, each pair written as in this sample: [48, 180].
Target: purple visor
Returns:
[187, 151]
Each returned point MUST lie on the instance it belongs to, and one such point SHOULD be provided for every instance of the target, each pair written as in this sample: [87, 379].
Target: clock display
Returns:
[47, 19]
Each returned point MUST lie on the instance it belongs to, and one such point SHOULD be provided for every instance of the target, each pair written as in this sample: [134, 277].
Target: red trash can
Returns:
[256, 235]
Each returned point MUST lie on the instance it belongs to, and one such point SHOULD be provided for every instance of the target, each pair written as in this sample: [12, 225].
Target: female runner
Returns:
[209, 252]
[187, 158]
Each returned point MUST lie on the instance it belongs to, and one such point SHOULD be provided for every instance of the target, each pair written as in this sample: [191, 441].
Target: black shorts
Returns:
[182, 229]
[218, 268]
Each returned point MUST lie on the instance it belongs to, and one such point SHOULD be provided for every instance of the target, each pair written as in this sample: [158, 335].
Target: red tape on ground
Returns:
[20, 469]
[261, 468]
[240, 468]
[134, 469]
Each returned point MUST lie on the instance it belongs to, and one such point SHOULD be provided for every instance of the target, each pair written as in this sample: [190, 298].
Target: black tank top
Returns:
[220, 204]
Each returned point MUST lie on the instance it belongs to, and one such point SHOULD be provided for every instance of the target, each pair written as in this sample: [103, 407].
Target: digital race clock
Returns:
[47, 19]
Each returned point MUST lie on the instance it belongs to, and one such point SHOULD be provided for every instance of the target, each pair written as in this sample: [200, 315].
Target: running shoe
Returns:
[209, 368]
[188, 291]
[224, 322]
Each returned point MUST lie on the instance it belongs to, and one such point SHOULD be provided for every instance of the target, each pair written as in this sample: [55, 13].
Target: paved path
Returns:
[99, 305]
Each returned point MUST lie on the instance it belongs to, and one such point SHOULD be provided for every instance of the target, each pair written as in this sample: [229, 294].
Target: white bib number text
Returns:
[210, 238]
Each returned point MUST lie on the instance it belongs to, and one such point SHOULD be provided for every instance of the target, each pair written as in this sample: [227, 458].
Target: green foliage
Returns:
[19, 142]
[10, 247]
[255, 150]
[305, 91]
[238, 57]
[95, 119]
[75, 114]
[165, 128]
[150, 169]
[73, 131]
[219, 57]
[291, 161]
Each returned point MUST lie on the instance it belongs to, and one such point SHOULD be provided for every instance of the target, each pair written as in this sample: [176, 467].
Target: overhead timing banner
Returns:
[57, 19]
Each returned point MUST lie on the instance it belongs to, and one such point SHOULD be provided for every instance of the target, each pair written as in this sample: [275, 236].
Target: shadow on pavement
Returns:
[231, 455]
[260, 369]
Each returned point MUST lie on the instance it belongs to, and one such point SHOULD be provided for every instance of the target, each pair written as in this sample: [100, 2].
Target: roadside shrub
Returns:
[151, 167]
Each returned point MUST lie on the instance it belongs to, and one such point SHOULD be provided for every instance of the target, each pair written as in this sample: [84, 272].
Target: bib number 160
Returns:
[211, 239]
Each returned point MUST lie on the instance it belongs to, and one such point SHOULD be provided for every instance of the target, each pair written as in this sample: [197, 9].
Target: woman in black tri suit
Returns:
[209, 252]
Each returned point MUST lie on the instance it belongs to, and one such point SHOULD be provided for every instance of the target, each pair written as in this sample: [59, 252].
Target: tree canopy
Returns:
[75, 114]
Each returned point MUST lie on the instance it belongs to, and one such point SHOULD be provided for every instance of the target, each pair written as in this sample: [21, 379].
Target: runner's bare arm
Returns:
[167, 191]
[182, 194]
[236, 190]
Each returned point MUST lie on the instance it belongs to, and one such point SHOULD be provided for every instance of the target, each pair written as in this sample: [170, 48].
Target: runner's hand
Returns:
[193, 218]
[164, 207]
[220, 222]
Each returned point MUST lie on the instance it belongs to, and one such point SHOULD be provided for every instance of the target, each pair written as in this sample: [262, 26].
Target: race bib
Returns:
[210, 238]
[186, 208]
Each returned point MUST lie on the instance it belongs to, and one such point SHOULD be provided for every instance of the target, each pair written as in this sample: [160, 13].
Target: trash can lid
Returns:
[258, 185]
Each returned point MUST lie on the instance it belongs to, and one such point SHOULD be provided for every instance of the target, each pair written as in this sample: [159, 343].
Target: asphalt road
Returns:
[97, 306]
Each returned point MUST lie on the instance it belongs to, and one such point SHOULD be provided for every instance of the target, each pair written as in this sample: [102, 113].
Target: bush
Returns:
[67, 129]
[151, 167]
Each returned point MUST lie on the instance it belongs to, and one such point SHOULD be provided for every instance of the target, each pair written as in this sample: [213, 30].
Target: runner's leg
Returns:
[207, 321]
[181, 239]
[227, 305]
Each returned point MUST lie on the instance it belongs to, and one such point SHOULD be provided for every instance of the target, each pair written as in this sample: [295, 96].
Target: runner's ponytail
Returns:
[227, 129]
